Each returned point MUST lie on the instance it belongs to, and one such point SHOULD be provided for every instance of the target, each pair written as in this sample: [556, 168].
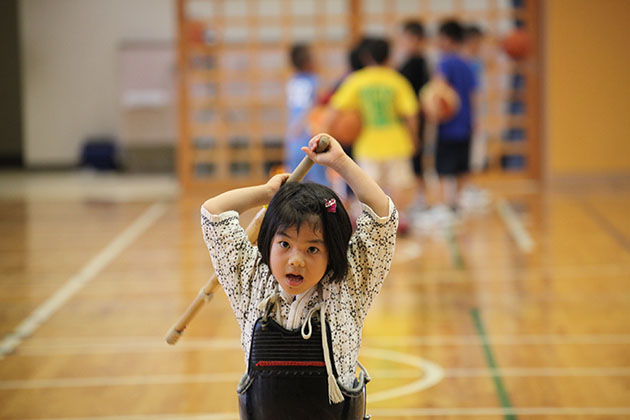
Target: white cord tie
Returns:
[334, 393]
[307, 321]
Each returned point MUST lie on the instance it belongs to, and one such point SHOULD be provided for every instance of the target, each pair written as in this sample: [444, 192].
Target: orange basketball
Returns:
[439, 101]
[345, 128]
[516, 44]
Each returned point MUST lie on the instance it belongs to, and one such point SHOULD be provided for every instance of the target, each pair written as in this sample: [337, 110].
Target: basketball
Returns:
[345, 128]
[439, 101]
[516, 44]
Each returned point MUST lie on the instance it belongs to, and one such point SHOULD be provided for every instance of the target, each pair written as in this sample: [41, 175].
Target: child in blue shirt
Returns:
[455, 135]
[301, 91]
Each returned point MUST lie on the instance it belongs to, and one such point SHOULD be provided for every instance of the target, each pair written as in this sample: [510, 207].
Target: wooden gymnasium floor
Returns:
[519, 312]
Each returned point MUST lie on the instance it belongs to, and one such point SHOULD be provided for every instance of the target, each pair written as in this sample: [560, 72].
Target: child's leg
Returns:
[445, 167]
[401, 184]
[462, 168]
[449, 190]
[419, 195]
[400, 180]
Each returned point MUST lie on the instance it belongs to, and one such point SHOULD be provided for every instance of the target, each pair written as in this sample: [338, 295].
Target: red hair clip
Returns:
[331, 205]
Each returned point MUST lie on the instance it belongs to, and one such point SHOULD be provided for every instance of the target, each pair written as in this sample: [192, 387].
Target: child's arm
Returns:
[412, 126]
[243, 199]
[364, 187]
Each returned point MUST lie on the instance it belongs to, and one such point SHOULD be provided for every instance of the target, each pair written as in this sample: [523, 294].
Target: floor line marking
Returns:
[496, 375]
[397, 413]
[606, 225]
[233, 377]
[453, 246]
[197, 416]
[514, 226]
[497, 411]
[51, 305]
[114, 345]
[432, 373]
[428, 374]
[121, 381]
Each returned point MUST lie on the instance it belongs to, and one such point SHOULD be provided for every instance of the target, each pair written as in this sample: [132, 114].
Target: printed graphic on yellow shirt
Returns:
[377, 103]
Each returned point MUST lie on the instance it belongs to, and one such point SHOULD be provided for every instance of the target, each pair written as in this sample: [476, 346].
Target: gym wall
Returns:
[69, 69]
[587, 88]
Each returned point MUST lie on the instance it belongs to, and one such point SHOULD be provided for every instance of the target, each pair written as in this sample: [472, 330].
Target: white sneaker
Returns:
[472, 198]
[434, 218]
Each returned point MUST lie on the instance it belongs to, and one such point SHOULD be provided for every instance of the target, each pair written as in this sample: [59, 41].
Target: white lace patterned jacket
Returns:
[247, 282]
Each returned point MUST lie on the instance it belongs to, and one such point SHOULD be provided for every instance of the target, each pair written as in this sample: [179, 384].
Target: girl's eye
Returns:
[313, 250]
[283, 244]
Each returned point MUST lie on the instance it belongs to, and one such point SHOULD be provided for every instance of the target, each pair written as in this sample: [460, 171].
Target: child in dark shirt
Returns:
[455, 135]
[415, 69]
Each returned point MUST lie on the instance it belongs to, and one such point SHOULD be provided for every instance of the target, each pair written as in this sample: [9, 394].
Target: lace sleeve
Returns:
[370, 255]
[234, 258]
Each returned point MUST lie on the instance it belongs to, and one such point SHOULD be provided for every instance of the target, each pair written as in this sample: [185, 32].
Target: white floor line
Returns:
[200, 416]
[539, 372]
[429, 373]
[122, 345]
[518, 232]
[498, 411]
[423, 378]
[499, 340]
[226, 377]
[401, 412]
[44, 311]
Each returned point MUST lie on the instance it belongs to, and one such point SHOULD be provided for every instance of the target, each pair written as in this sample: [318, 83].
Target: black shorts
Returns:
[416, 161]
[452, 157]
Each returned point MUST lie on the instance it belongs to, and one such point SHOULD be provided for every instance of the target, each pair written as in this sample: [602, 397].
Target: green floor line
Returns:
[453, 246]
[498, 382]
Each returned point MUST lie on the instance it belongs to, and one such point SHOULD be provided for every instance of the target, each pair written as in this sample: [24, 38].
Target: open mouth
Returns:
[294, 279]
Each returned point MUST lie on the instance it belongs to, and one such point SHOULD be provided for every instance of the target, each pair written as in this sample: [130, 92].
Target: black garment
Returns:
[453, 157]
[416, 161]
[415, 70]
[286, 378]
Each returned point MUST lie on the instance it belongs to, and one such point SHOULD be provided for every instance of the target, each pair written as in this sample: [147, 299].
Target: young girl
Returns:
[302, 295]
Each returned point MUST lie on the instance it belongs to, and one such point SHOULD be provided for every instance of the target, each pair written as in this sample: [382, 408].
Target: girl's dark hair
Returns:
[296, 203]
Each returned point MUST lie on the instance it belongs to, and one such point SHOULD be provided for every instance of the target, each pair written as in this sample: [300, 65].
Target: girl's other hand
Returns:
[275, 182]
[331, 157]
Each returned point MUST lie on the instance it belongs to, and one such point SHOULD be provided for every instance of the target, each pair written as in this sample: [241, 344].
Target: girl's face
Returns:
[298, 259]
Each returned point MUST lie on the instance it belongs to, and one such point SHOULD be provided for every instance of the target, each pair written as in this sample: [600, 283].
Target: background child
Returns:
[307, 261]
[454, 136]
[472, 197]
[388, 108]
[301, 95]
[415, 69]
